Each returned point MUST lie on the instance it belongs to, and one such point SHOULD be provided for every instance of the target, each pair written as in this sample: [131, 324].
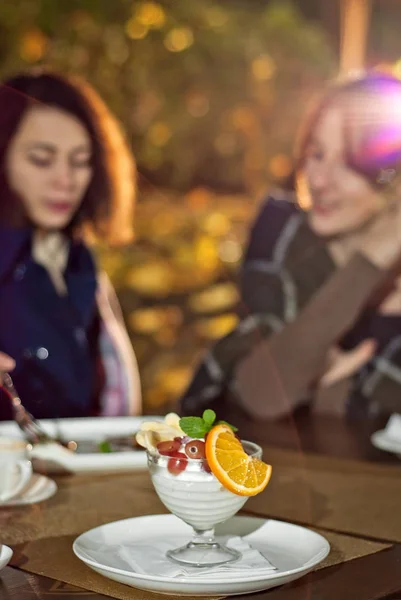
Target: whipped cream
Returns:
[194, 495]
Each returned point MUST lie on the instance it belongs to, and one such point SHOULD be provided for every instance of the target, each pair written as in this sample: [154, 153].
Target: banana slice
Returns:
[152, 426]
[168, 433]
[153, 432]
[173, 420]
[148, 440]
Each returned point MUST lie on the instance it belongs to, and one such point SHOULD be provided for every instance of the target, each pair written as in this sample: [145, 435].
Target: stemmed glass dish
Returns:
[189, 490]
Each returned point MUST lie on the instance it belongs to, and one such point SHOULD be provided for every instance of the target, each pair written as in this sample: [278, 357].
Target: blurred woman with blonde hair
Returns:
[321, 281]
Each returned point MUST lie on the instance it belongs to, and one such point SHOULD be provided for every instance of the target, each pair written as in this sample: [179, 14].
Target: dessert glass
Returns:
[189, 490]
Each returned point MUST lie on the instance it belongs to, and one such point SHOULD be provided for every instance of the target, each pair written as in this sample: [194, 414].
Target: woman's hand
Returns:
[344, 364]
[6, 364]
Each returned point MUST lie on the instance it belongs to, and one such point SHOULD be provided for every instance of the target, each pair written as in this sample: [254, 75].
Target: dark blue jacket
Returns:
[53, 339]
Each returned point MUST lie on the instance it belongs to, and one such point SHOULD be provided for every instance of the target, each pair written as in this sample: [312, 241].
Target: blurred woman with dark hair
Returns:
[321, 287]
[65, 172]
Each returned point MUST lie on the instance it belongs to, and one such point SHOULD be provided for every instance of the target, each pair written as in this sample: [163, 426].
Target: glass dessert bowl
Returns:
[204, 482]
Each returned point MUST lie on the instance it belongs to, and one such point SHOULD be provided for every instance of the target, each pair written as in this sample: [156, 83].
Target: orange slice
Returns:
[228, 461]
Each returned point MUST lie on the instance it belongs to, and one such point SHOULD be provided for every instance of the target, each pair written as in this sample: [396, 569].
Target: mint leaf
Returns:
[193, 426]
[105, 446]
[209, 417]
[198, 427]
[229, 425]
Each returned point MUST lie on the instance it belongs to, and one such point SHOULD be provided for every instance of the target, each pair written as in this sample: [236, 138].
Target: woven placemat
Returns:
[53, 557]
[362, 503]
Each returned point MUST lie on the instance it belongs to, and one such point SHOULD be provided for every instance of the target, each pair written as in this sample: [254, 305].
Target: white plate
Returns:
[39, 488]
[5, 555]
[389, 439]
[292, 549]
[56, 459]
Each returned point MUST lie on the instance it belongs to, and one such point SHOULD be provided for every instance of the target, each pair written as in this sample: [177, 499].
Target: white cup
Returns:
[15, 469]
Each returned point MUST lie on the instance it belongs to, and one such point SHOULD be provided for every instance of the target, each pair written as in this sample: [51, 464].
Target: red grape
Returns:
[195, 449]
[168, 447]
[183, 440]
[205, 466]
[177, 463]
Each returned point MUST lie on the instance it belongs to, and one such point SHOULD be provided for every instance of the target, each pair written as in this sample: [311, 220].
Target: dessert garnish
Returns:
[214, 444]
[232, 466]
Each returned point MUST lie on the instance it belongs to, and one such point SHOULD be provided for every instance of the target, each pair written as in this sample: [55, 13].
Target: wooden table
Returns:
[316, 433]
[376, 576]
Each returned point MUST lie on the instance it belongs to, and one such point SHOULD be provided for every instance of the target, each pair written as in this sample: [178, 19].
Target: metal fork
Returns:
[32, 429]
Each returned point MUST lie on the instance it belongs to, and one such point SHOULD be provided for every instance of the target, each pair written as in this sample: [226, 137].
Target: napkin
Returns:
[5, 555]
[150, 559]
[393, 427]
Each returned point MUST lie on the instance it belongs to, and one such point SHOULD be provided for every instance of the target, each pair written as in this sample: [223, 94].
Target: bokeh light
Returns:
[216, 327]
[230, 251]
[150, 15]
[263, 67]
[136, 30]
[159, 133]
[179, 39]
[280, 166]
[217, 298]
[33, 45]
[198, 104]
[216, 17]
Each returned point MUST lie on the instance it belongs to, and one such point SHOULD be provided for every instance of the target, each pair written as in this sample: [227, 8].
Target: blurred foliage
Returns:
[210, 94]
[227, 83]
[176, 284]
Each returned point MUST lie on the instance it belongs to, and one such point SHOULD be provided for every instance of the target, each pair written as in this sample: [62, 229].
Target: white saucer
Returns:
[292, 549]
[38, 489]
[389, 438]
[5, 555]
[381, 440]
